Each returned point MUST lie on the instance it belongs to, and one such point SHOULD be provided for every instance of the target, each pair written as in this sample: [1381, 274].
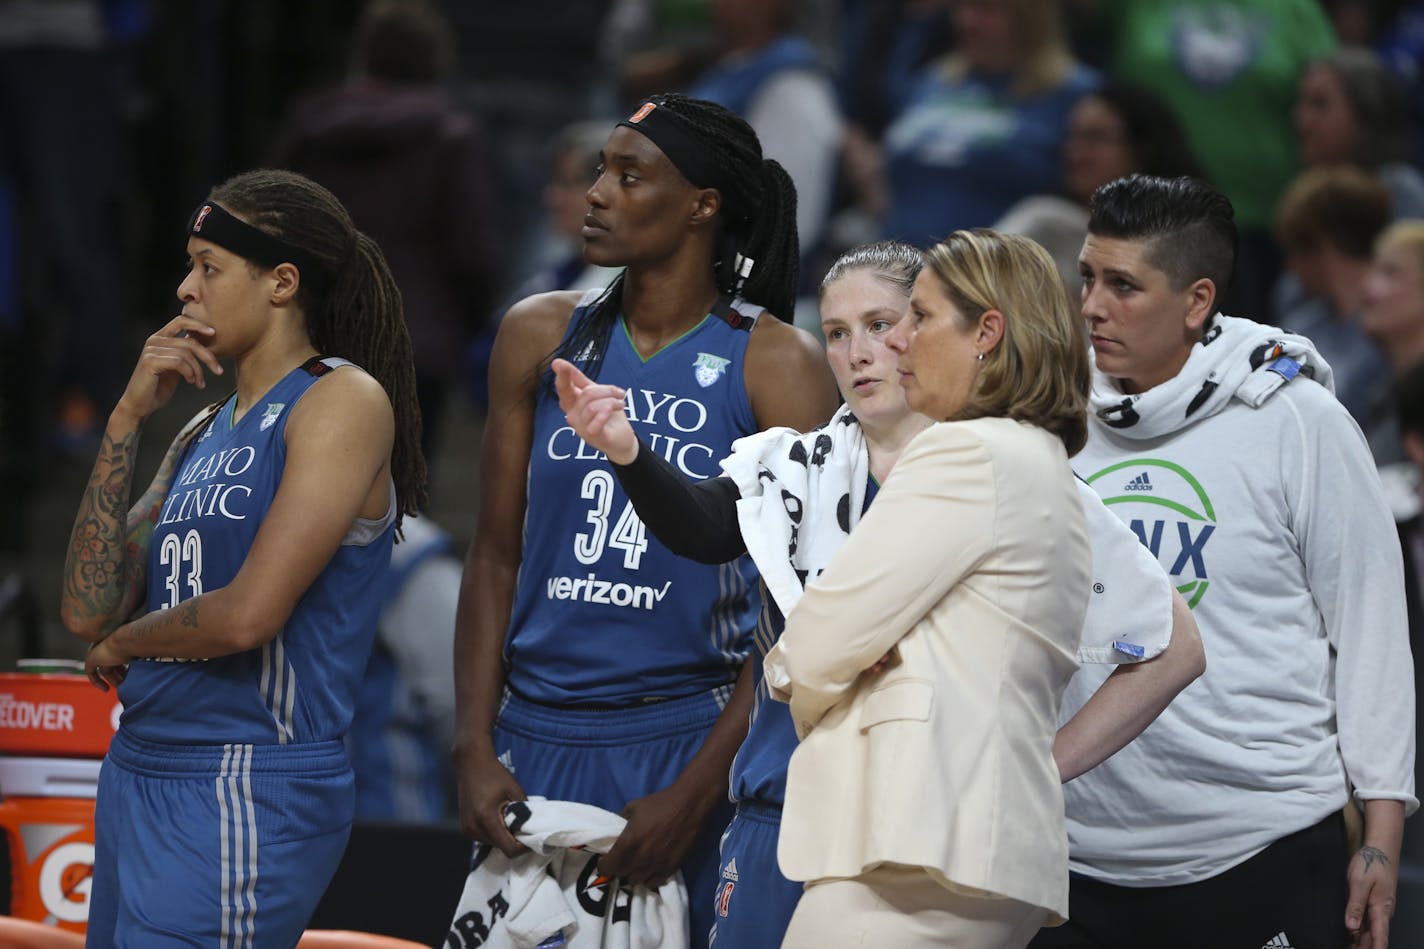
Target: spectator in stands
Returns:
[1351, 109]
[1112, 132]
[979, 128]
[1327, 223]
[410, 165]
[1393, 304]
[1229, 71]
[771, 76]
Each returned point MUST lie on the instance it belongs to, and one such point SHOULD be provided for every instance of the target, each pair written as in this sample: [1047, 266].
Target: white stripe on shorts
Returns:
[238, 848]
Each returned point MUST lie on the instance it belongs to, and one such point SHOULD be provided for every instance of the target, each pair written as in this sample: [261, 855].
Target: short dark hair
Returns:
[1152, 132]
[1187, 224]
[1379, 103]
[403, 41]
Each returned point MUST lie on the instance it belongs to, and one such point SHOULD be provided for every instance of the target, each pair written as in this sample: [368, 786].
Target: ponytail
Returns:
[772, 244]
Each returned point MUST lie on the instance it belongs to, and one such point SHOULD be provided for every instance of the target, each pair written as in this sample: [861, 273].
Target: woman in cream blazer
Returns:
[926, 665]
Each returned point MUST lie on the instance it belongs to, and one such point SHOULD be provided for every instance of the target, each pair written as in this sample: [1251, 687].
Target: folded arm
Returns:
[936, 514]
[338, 455]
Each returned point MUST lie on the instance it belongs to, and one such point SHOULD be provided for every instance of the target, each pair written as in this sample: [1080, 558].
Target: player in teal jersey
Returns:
[606, 666]
[233, 605]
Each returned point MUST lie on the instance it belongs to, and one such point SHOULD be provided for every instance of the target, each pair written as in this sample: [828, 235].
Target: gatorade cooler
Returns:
[54, 731]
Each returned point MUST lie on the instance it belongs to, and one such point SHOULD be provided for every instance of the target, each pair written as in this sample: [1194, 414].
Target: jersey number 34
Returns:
[629, 534]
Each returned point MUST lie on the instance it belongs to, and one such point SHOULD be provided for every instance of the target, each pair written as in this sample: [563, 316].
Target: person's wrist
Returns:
[477, 745]
[701, 794]
[624, 459]
[124, 419]
[112, 644]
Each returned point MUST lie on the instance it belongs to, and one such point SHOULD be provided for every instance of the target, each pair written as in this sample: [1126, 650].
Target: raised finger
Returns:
[567, 371]
[594, 392]
[161, 359]
[187, 341]
[184, 326]
[563, 385]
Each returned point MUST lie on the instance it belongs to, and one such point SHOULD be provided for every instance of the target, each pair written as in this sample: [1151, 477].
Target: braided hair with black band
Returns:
[758, 253]
[352, 308]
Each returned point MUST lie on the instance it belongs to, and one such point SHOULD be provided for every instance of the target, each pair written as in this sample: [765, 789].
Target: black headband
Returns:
[212, 222]
[680, 142]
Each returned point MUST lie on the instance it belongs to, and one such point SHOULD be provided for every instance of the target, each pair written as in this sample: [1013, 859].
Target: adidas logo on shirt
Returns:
[1278, 941]
[1140, 483]
[729, 872]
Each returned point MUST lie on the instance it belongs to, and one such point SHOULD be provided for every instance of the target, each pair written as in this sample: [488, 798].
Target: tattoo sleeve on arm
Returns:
[1372, 854]
[94, 564]
[142, 520]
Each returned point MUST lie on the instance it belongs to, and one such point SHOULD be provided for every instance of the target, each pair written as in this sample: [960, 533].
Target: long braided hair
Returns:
[758, 223]
[354, 310]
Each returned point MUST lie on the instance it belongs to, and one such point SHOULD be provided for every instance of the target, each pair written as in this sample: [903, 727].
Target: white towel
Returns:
[791, 484]
[553, 896]
[1235, 359]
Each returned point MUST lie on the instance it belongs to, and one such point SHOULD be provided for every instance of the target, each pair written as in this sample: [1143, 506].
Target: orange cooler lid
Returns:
[56, 714]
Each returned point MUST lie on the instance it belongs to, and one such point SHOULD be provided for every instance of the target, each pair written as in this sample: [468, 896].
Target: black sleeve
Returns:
[695, 519]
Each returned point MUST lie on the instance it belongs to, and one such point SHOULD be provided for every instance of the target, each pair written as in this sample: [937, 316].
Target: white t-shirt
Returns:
[1272, 523]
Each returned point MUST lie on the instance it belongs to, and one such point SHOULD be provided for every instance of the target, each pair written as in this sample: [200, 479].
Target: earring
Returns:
[980, 357]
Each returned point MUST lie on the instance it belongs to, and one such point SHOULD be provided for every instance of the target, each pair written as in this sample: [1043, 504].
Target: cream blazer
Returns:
[973, 565]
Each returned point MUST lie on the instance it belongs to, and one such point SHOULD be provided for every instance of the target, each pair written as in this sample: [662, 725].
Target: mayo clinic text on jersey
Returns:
[646, 407]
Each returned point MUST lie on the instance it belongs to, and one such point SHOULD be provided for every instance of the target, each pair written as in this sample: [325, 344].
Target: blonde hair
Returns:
[1045, 61]
[1408, 234]
[1038, 373]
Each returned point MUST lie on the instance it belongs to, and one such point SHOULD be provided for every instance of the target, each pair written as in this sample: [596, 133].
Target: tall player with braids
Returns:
[591, 663]
[252, 564]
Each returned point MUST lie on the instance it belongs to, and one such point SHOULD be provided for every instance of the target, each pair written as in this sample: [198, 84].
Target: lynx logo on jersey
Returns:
[1169, 511]
[707, 368]
[269, 418]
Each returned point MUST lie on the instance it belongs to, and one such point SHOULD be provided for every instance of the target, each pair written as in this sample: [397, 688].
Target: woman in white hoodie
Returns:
[1221, 825]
